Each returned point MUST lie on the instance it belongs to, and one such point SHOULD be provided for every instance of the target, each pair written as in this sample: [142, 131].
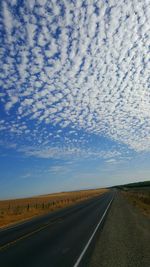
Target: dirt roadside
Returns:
[125, 238]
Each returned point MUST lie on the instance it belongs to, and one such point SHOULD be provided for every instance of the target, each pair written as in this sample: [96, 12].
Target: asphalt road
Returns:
[55, 240]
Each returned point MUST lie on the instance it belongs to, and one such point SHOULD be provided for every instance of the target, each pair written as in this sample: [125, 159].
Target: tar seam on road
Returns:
[26, 236]
[90, 240]
[7, 245]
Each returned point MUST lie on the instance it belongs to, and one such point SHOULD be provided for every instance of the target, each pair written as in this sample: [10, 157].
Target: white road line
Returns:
[88, 243]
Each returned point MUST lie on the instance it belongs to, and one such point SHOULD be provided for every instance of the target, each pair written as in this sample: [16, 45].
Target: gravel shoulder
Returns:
[125, 238]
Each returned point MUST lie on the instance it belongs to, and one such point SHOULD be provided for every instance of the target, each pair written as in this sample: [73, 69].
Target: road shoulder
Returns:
[125, 238]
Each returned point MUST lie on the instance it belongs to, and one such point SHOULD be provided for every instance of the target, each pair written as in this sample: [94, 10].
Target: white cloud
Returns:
[9, 104]
[62, 169]
[69, 150]
[111, 161]
[88, 68]
[8, 20]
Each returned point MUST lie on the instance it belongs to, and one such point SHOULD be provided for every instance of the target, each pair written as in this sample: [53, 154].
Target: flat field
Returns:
[16, 210]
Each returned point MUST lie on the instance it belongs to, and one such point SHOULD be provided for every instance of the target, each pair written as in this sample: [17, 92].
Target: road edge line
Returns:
[92, 236]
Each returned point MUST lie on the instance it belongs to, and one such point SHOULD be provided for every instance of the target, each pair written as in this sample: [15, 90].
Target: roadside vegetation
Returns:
[139, 198]
[16, 210]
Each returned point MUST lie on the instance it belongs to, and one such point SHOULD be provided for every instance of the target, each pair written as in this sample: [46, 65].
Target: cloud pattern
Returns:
[77, 65]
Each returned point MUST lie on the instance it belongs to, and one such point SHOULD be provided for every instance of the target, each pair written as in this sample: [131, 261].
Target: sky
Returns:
[74, 94]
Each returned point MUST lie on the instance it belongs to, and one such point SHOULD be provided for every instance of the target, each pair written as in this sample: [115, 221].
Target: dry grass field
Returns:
[139, 198]
[16, 210]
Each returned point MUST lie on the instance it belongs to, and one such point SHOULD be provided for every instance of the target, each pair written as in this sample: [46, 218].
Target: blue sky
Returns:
[74, 95]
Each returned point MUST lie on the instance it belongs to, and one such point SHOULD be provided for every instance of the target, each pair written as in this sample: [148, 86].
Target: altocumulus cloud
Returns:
[80, 65]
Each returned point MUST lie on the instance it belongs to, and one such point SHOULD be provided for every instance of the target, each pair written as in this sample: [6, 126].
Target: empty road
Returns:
[59, 239]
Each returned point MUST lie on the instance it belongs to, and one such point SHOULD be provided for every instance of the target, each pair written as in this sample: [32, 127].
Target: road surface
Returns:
[59, 239]
[125, 238]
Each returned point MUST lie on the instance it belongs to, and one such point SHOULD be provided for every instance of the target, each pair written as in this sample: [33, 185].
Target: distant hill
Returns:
[135, 185]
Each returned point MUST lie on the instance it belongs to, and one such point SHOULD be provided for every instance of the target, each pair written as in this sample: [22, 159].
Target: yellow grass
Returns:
[16, 210]
[140, 199]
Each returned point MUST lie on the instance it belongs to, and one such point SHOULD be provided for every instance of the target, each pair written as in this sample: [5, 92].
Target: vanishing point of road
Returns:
[59, 239]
